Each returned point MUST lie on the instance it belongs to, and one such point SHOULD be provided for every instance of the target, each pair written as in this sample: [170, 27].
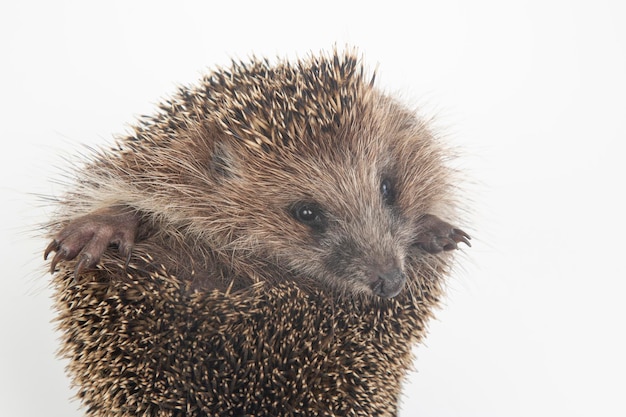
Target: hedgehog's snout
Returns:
[387, 282]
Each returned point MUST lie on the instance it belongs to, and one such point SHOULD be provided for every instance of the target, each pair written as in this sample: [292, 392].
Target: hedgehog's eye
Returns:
[387, 191]
[309, 214]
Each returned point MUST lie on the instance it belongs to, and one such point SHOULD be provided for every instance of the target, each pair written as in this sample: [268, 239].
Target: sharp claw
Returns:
[127, 260]
[461, 236]
[84, 263]
[61, 253]
[462, 233]
[53, 246]
[75, 280]
[126, 251]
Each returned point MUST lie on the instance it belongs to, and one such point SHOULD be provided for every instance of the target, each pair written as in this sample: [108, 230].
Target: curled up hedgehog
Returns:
[271, 242]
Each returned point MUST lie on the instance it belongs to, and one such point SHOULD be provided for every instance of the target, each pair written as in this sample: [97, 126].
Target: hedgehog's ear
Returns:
[224, 162]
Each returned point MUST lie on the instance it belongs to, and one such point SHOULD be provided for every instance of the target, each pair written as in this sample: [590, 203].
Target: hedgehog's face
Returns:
[340, 226]
[345, 217]
[350, 235]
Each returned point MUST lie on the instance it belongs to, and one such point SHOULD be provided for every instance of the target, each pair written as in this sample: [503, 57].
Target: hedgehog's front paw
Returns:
[89, 236]
[437, 236]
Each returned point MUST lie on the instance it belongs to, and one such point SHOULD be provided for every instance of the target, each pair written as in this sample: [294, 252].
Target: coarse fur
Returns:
[279, 248]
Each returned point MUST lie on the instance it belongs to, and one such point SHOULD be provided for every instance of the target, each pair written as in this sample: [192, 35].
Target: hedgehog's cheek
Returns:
[387, 283]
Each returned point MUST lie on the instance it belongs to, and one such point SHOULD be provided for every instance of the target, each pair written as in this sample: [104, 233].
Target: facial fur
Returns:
[345, 214]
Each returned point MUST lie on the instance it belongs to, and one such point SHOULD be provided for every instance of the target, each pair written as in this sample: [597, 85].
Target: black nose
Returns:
[387, 282]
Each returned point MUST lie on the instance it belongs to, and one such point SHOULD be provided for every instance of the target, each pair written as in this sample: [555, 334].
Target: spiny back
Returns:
[266, 106]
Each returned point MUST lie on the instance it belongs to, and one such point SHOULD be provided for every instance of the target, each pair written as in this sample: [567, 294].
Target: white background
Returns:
[534, 92]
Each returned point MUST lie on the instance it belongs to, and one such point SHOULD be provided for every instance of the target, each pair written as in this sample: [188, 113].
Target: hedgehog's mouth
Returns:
[388, 284]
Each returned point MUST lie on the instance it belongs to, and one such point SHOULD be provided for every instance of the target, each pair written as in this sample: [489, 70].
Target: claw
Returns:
[437, 235]
[462, 237]
[126, 251]
[53, 246]
[60, 255]
[84, 263]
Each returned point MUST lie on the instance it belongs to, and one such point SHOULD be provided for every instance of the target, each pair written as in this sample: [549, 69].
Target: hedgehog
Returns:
[271, 242]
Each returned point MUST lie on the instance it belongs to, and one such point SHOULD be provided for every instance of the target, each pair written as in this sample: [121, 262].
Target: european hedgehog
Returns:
[271, 242]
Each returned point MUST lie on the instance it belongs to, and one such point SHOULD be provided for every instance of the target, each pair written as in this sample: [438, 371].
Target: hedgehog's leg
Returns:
[89, 236]
[436, 235]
